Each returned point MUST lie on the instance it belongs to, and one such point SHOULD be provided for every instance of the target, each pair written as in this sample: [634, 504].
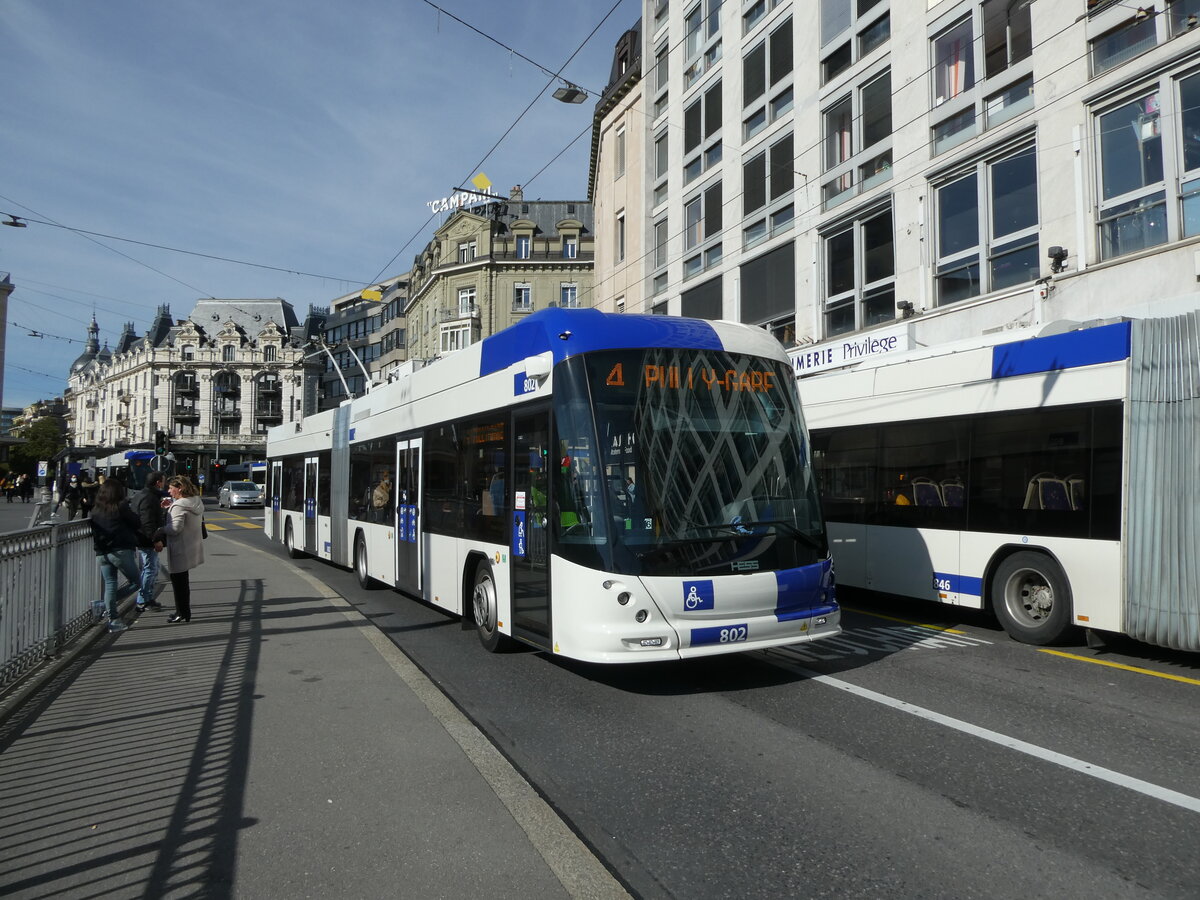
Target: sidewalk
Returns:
[276, 746]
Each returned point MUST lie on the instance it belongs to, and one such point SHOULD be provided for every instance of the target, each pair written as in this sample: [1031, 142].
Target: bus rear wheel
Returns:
[1032, 599]
[289, 542]
[360, 563]
[486, 607]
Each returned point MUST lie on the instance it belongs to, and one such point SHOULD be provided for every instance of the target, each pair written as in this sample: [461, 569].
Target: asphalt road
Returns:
[924, 754]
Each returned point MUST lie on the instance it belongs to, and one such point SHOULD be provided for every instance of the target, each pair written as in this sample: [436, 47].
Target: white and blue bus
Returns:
[254, 471]
[611, 488]
[1054, 479]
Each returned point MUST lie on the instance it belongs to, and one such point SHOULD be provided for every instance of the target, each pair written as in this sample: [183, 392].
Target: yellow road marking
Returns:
[214, 527]
[248, 525]
[1115, 665]
[867, 612]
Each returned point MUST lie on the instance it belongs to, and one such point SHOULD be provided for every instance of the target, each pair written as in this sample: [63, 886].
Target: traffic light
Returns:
[189, 464]
[160, 442]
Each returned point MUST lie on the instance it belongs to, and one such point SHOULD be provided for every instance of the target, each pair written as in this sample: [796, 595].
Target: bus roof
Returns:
[569, 332]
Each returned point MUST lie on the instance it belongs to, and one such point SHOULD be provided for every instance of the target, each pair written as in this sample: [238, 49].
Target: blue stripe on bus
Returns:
[590, 330]
[1105, 343]
[803, 592]
[949, 583]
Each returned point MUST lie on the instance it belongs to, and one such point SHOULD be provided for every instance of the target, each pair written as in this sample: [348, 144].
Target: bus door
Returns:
[409, 558]
[310, 505]
[274, 495]
[530, 540]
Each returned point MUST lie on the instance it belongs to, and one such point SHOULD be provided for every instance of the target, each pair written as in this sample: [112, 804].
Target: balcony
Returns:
[182, 411]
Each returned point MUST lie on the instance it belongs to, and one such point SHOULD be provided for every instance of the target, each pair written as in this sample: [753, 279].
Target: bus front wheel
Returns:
[1031, 598]
[485, 604]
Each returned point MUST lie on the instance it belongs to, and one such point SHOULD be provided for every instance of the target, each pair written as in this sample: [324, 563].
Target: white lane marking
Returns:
[1166, 795]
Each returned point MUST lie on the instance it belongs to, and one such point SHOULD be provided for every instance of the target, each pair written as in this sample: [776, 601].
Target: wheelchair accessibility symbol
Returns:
[697, 595]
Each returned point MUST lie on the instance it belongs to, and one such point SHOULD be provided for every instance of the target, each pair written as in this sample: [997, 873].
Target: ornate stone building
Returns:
[489, 266]
[214, 382]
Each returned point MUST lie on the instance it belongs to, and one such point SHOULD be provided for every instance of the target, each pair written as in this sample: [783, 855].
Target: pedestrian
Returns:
[73, 496]
[87, 494]
[114, 538]
[184, 540]
[147, 504]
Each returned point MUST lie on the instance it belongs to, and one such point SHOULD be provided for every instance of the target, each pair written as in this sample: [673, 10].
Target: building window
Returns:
[227, 353]
[568, 295]
[466, 251]
[660, 243]
[702, 40]
[455, 338]
[620, 304]
[570, 247]
[620, 153]
[850, 31]
[1133, 197]
[270, 353]
[767, 64]
[619, 236]
[858, 137]
[189, 353]
[466, 301]
[860, 273]
[987, 223]
[522, 297]
[702, 121]
[524, 246]
[1002, 57]
[702, 217]
[767, 178]
[1129, 39]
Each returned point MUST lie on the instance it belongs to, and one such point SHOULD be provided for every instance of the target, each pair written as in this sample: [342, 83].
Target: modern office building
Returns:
[364, 340]
[837, 170]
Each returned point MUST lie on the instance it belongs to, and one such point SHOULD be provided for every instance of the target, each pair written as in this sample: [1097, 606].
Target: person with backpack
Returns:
[115, 535]
[147, 505]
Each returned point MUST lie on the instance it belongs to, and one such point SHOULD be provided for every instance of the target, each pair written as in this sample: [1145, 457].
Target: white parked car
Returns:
[240, 493]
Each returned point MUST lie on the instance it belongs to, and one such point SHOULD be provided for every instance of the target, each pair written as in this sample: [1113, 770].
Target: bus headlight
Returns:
[624, 597]
[642, 616]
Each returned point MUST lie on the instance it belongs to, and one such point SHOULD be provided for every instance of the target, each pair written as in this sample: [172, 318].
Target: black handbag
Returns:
[203, 529]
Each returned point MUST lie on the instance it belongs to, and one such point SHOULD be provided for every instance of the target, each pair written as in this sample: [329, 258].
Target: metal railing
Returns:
[48, 580]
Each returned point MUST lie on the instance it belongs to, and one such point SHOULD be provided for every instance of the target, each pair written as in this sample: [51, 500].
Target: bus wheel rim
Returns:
[1029, 596]
[484, 602]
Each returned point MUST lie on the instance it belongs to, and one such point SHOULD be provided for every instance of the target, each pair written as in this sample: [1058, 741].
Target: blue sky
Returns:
[299, 135]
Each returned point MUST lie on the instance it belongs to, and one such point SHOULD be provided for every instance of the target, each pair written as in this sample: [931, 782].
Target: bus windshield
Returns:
[685, 462]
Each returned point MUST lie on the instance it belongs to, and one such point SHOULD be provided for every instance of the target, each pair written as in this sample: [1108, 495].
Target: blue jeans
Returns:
[110, 564]
[149, 561]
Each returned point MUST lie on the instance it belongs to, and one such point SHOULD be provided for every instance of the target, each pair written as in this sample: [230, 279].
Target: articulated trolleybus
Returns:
[1054, 479]
[611, 488]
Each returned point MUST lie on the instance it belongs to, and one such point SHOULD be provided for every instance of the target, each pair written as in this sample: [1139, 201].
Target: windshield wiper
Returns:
[787, 526]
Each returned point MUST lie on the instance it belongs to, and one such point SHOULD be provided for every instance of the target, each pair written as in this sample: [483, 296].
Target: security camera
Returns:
[1058, 256]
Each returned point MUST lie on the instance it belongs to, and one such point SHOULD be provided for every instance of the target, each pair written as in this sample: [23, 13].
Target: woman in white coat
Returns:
[184, 540]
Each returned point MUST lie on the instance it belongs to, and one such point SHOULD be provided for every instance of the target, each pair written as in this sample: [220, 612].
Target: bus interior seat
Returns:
[1047, 491]
[926, 492]
[953, 492]
[1076, 490]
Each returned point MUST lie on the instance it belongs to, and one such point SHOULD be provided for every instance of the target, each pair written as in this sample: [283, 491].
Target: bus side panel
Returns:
[917, 562]
[1093, 569]
[849, 545]
[443, 571]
